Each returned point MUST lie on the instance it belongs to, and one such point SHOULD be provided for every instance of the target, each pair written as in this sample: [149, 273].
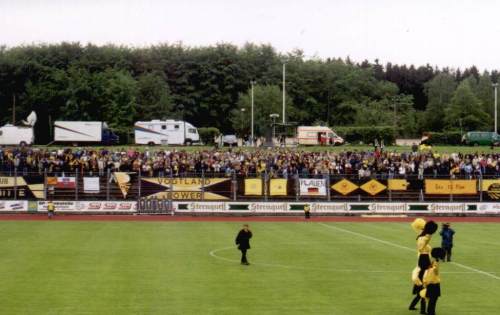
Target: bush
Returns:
[366, 134]
[207, 135]
[447, 138]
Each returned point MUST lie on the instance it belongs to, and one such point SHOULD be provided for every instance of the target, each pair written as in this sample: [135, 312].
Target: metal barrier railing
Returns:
[25, 184]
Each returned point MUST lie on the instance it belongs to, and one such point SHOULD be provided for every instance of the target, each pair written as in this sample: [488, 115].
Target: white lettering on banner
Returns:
[447, 207]
[13, 205]
[207, 206]
[268, 207]
[312, 187]
[489, 207]
[388, 207]
[329, 207]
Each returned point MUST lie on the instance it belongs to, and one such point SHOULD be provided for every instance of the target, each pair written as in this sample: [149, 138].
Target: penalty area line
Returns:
[332, 227]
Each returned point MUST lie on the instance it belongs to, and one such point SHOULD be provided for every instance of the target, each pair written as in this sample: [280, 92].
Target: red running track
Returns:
[184, 218]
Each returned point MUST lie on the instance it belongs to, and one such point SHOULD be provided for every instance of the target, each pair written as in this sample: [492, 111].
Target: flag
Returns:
[91, 185]
[373, 187]
[66, 183]
[398, 184]
[123, 181]
[278, 187]
[312, 187]
[344, 187]
[253, 187]
[52, 181]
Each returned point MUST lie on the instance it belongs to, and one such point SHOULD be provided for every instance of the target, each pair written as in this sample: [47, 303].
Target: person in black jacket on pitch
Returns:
[243, 242]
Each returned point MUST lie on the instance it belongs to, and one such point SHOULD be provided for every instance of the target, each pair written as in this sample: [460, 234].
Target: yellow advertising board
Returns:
[450, 186]
[278, 187]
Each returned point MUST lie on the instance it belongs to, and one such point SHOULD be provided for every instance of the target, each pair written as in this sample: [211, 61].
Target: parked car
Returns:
[481, 138]
[229, 140]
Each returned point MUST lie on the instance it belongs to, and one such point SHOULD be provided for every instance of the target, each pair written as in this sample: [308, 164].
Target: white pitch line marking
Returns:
[405, 248]
[213, 254]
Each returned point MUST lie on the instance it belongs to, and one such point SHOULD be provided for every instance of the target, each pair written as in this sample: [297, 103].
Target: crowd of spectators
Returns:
[248, 162]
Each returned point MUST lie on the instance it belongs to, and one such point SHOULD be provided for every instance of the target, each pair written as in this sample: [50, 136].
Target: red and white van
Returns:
[317, 135]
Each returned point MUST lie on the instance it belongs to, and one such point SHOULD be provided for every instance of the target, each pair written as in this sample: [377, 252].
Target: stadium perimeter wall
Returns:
[259, 208]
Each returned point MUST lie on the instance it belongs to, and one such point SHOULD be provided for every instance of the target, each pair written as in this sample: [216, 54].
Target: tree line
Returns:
[210, 87]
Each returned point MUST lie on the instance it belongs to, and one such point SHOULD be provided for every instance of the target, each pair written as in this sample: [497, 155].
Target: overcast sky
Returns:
[440, 32]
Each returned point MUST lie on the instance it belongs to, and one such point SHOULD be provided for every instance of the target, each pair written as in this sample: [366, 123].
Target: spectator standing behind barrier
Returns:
[447, 240]
[50, 209]
[243, 242]
[307, 212]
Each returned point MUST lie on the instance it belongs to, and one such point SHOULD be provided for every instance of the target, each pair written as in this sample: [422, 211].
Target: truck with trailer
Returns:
[165, 132]
[317, 135]
[84, 132]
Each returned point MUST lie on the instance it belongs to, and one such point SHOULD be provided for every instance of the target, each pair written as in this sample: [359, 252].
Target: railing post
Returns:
[45, 183]
[171, 194]
[297, 186]
[480, 188]
[139, 192]
[76, 185]
[202, 184]
[265, 184]
[108, 178]
[15, 182]
[234, 185]
[328, 193]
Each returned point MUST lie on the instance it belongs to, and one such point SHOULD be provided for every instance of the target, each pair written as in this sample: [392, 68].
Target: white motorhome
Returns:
[84, 132]
[172, 132]
[317, 135]
[16, 135]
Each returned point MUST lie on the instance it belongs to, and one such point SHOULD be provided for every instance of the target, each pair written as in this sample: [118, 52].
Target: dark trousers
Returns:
[415, 302]
[431, 310]
[447, 252]
[244, 256]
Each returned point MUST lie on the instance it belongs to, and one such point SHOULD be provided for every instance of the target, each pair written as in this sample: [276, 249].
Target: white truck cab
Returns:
[317, 135]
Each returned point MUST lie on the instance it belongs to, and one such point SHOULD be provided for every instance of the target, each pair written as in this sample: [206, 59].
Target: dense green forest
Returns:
[209, 86]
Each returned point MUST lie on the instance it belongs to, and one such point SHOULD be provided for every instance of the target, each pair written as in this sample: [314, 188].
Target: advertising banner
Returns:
[373, 187]
[82, 206]
[312, 187]
[91, 185]
[13, 205]
[188, 188]
[450, 186]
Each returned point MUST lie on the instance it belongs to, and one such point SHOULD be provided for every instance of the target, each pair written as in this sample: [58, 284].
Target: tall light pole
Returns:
[495, 85]
[284, 91]
[252, 83]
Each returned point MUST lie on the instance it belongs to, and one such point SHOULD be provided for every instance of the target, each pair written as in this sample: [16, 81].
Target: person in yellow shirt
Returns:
[432, 281]
[50, 209]
[425, 230]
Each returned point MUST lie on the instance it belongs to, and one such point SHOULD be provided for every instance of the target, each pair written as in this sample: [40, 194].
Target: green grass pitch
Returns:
[63, 267]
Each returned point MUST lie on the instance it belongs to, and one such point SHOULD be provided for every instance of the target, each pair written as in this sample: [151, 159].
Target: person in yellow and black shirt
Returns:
[424, 248]
[432, 281]
[307, 212]
[50, 209]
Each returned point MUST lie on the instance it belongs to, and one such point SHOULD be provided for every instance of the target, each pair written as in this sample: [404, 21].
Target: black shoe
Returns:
[412, 308]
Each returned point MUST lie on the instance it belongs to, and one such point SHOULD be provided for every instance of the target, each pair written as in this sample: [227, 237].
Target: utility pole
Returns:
[284, 91]
[251, 133]
[13, 109]
[495, 85]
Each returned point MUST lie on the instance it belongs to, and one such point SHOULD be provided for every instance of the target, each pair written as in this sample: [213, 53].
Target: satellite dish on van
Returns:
[31, 119]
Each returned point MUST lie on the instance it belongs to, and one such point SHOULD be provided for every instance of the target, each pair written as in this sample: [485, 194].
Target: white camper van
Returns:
[317, 135]
[16, 135]
[172, 132]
